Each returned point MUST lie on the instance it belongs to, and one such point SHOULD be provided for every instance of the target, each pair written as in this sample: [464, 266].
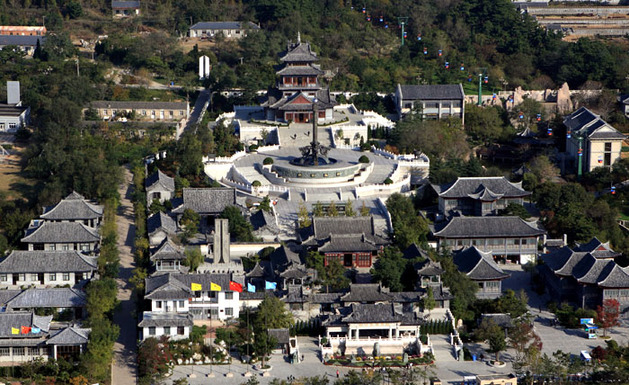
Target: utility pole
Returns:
[402, 21]
[580, 157]
[481, 73]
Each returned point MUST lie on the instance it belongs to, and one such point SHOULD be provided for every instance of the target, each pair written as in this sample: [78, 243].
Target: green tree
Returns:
[101, 298]
[303, 216]
[515, 209]
[239, 227]
[154, 360]
[484, 124]
[190, 222]
[463, 289]
[364, 210]
[494, 334]
[317, 210]
[194, 259]
[349, 209]
[408, 226]
[96, 362]
[265, 204]
[526, 343]
[388, 269]
[429, 302]
[332, 210]
[334, 276]
[272, 314]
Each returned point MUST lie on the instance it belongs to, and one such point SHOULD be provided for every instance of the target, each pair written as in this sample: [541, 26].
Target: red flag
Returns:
[26, 329]
[234, 286]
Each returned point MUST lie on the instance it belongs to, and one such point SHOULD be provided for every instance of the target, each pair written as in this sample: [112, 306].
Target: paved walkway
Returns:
[123, 370]
[199, 109]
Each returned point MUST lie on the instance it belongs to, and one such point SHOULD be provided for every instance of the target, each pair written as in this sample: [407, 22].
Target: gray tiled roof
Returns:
[429, 268]
[282, 336]
[61, 232]
[162, 221]
[18, 319]
[406, 296]
[501, 319]
[165, 319]
[432, 92]
[311, 70]
[39, 261]
[590, 270]
[264, 221]
[21, 40]
[60, 297]
[377, 313]
[295, 271]
[73, 207]
[299, 52]
[562, 261]
[159, 179]
[207, 200]
[70, 336]
[295, 294]
[367, 292]
[260, 270]
[478, 265]
[324, 101]
[490, 226]
[618, 277]
[476, 186]
[585, 122]
[7, 295]
[224, 25]
[347, 243]
[413, 251]
[322, 227]
[283, 257]
[598, 249]
[135, 105]
[178, 286]
[167, 250]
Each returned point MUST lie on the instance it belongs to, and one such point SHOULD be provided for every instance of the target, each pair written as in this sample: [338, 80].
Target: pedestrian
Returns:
[302, 357]
[337, 373]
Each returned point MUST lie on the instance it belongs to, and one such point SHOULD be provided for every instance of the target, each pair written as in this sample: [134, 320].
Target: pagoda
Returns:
[299, 88]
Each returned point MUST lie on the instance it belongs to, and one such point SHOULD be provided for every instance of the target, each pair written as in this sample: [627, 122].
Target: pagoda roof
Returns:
[299, 52]
[478, 265]
[367, 292]
[477, 186]
[310, 69]
[73, 207]
[167, 250]
[490, 226]
[160, 179]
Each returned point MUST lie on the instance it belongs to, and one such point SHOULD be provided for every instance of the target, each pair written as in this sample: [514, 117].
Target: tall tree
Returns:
[608, 314]
[408, 226]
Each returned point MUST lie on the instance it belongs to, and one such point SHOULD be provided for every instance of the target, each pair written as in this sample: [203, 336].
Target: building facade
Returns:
[437, 101]
[125, 8]
[228, 29]
[481, 268]
[159, 186]
[141, 111]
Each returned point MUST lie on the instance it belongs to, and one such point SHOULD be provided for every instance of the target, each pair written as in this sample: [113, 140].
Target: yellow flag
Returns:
[15, 331]
[196, 286]
[214, 287]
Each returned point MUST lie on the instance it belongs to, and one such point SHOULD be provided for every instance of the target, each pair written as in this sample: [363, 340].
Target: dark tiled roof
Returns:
[310, 69]
[18, 319]
[224, 25]
[260, 270]
[478, 265]
[414, 251]
[432, 92]
[490, 226]
[258, 295]
[160, 179]
[125, 4]
[598, 249]
[61, 232]
[585, 122]
[590, 270]
[162, 221]
[283, 257]
[167, 250]
[165, 319]
[406, 296]
[429, 268]
[322, 227]
[73, 207]
[478, 186]
[134, 105]
[324, 101]
[207, 200]
[7, 295]
[282, 336]
[501, 319]
[11, 110]
[295, 272]
[347, 243]
[376, 313]
[22, 261]
[295, 294]
[178, 286]
[70, 336]
[299, 52]
[59, 297]
[617, 277]
[366, 292]
[325, 297]
[262, 220]
[562, 261]
[21, 40]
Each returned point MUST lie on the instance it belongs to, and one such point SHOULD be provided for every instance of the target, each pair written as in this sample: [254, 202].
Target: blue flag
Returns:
[35, 330]
[270, 285]
[251, 288]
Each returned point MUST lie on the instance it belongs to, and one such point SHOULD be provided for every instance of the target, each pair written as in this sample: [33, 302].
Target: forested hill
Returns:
[360, 40]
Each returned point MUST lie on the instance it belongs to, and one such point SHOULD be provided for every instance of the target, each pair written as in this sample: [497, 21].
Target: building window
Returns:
[85, 247]
[214, 312]
[3, 277]
[229, 295]
[158, 304]
[181, 330]
[212, 294]
[65, 247]
[167, 330]
[143, 112]
[22, 277]
[52, 247]
[607, 156]
[229, 311]
[171, 113]
[5, 352]
[52, 277]
[182, 304]
[1, 126]
[12, 126]
[66, 276]
[33, 277]
[33, 351]
[18, 351]
[151, 330]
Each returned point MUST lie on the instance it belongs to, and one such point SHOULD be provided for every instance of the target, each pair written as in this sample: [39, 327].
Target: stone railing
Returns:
[224, 159]
[455, 338]
[387, 215]
[273, 147]
[239, 186]
[388, 189]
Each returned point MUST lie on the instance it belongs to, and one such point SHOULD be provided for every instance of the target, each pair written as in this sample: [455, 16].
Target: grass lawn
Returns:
[12, 181]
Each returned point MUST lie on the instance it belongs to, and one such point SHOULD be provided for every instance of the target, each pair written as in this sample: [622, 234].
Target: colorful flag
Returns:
[15, 331]
[270, 285]
[235, 286]
[26, 329]
[196, 286]
[35, 330]
[251, 288]
[215, 287]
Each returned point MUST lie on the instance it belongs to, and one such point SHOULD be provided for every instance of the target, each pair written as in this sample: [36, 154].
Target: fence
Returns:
[387, 215]
[224, 159]
[373, 189]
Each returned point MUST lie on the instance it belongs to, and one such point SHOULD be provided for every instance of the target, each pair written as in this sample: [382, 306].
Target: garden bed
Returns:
[382, 362]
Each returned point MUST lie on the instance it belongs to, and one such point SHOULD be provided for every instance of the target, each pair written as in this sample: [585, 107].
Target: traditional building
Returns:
[510, 238]
[46, 269]
[586, 275]
[74, 208]
[432, 101]
[143, 111]
[61, 236]
[591, 141]
[25, 43]
[159, 227]
[298, 88]
[125, 8]
[159, 186]
[481, 268]
[168, 257]
[58, 300]
[172, 325]
[352, 241]
[209, 203]
[228, 29]
[429, 275]
[479, 196]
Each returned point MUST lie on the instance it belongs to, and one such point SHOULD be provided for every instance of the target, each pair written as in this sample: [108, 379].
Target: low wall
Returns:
[384, 189]
[244, 249]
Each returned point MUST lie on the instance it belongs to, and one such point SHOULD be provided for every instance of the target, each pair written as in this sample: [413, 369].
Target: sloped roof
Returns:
[58, 297]
[299, 52]
[366, 292]
[477, 186]
[489, 226]
[73, 207]
[477, 265]
[40, 261]
[283, 257]
[18, 319]
[262, 220]
[585, 122]
[162, 221]
[61, 232]
[178, 286]
[20, 40]
[598, 249]
[70, 336]
[161, 180]
[413, 251]
[562, 261]
[7, 295]
[590, 270]
[260, 270]
[310, 69]
[616, 278]
[322, 227]
[432, 91]
[429, 268]
[347, 243]
[207, 200]
[501, 319]
[224, 25]
[125, 4]
[282, 336]
[165, 319]
[167, 250]
[377, 313]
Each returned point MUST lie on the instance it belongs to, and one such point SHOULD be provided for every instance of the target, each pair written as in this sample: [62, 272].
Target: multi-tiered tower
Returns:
[298, 88]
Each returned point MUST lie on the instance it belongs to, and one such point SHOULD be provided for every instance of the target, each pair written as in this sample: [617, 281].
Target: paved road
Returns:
[199, 109]
[124, 369]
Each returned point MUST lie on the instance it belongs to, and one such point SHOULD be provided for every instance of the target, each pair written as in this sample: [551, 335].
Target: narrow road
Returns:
[123, 370]
[199, 109]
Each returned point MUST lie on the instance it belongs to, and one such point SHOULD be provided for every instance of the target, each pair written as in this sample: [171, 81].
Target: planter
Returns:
[498, 364]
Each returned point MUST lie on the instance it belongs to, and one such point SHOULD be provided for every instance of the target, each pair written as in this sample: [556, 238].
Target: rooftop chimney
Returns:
[13, 93]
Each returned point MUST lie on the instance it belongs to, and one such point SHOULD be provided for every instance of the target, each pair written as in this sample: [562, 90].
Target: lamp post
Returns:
[402, 21]
[481, 73]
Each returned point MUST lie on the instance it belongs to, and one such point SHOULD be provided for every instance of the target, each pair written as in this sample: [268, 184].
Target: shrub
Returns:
[363, 159]
[388, 181]
[256, 183]
[253, 148]
[267, 160]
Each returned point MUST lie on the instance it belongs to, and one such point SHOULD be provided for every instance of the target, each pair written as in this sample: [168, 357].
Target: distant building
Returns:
[125, 8]
[142, 111]
[434, 101]
[159, 186]
[160, 226]
[591, 140]
[229, 29]
[168, 257]
[12, 114]
[481, 268]
[25, 43]
[209, 203]
[74, 208]
[63, 236]
[22, 30]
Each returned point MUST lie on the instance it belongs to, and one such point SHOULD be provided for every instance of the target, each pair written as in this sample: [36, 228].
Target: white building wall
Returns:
[159, 331]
